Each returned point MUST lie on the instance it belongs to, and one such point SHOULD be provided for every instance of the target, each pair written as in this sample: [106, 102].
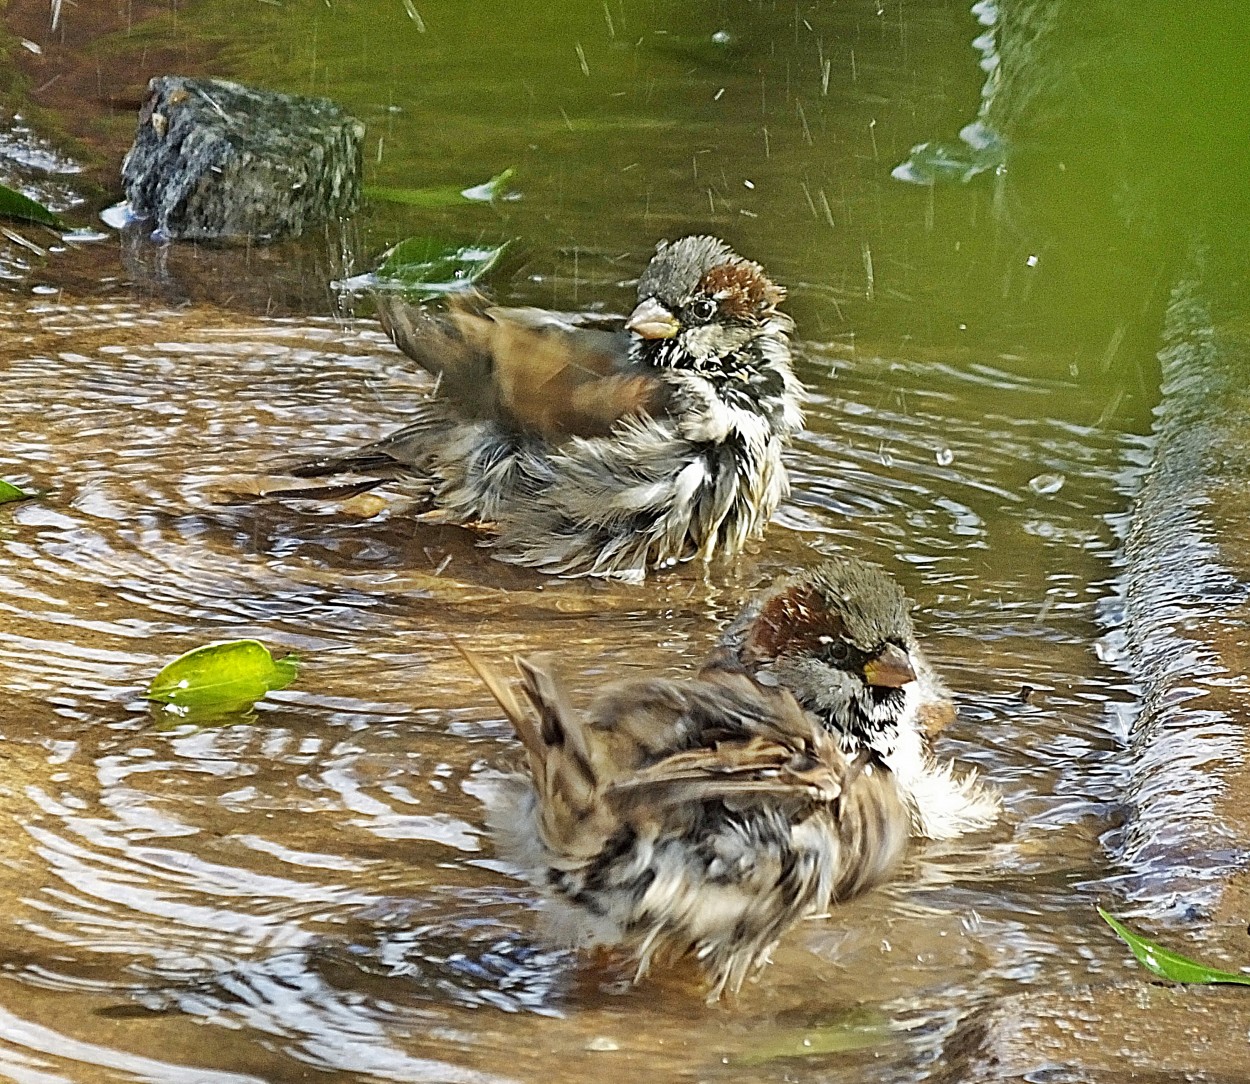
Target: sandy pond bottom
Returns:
[311, 895]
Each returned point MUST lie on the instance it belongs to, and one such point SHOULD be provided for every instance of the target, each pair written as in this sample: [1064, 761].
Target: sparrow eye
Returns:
[702, 309]
[837, 651]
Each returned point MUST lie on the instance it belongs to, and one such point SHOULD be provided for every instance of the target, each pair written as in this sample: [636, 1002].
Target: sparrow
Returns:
[595, 453]
[699, 818]
[840, 638]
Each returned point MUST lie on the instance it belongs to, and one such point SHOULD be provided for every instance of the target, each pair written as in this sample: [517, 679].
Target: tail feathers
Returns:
[561, 729]
[573, 818]
[310, 493]
[498, 687]
[404, 453]
[355, 463]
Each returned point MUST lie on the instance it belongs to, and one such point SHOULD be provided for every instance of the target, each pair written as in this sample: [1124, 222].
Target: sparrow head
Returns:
[700, 304]
[840, 638]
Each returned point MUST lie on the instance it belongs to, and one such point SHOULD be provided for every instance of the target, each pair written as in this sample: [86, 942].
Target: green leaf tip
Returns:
[15, 205]
[443, 196]
[221, 677]
[1167, 964]
[10, 492]
[494, 189]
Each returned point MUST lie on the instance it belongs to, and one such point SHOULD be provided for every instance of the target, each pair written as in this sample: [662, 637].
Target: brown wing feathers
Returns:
[550, 380]
[749, 744]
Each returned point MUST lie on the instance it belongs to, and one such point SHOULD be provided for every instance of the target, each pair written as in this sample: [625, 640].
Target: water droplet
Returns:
[601, 1043]
[945, 457]
[1046, 484]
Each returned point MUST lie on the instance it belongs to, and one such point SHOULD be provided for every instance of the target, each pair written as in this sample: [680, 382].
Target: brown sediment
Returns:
[91, 71]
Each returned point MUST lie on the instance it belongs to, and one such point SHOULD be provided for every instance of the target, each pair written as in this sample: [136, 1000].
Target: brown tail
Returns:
[574, 819]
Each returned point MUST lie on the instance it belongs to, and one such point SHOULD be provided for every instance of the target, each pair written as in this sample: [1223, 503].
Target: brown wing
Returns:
[735, 769]
[643, 719]
[545, 378]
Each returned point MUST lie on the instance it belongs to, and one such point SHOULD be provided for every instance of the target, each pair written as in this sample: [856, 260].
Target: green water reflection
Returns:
[778, 126]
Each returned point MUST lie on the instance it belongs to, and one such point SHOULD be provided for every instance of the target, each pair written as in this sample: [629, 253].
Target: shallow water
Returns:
[316, 882]
[312, 890]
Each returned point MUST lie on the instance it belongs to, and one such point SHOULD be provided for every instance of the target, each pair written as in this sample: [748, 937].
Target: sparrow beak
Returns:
[891, 668]
[651, 320]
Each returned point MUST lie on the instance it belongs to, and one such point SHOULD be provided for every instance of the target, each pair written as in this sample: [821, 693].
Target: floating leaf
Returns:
[10, 492]
[428, 267]
[445, 195]
[221, 678]
[1167, 964]
[15, 205]
[979, 150]
[494, 189]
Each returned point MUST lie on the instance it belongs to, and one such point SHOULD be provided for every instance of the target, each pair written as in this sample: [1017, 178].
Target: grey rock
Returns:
[214, 160]
[1186, 606]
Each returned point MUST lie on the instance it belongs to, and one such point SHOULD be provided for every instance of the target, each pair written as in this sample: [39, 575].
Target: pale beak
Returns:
[651, 320]
[891, 668]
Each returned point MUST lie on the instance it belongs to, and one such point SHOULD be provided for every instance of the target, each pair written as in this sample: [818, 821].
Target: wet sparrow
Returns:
[840, 638]
[593, 453]
[701, 817]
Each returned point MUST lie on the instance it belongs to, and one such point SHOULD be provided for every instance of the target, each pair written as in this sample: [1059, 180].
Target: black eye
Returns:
[701, 309]
[837, 651]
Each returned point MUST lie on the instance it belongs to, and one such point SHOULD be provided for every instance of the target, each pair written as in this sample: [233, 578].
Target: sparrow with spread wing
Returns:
[701, 817]
[592, 453]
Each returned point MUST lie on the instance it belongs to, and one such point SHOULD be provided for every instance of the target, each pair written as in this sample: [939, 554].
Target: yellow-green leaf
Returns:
[1167, 964]
[856, 1030]
[10, 492]
[221, 677]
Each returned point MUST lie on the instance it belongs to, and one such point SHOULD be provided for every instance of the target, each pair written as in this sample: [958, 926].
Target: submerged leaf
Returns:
[15, 205]
[10, 492]
[445, 195]
[1167, 964]
[855, 1031]
[221, 678]
[428, 267]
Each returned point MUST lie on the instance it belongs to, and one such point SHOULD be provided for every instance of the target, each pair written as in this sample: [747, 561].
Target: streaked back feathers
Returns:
[703, 816]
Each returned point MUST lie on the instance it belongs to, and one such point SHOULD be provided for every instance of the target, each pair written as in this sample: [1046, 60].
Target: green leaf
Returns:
[428, 267]
[10, 492]
[221, 678]
[445, 195]
[494, 189]
[1167, 964]
[15, 205]
[857, 1030]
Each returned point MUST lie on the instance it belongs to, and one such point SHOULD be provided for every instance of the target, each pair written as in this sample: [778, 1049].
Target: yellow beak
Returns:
[651, 320]
[891, 668]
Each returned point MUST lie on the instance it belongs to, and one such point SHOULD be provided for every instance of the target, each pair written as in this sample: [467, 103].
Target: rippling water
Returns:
[313, 889]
